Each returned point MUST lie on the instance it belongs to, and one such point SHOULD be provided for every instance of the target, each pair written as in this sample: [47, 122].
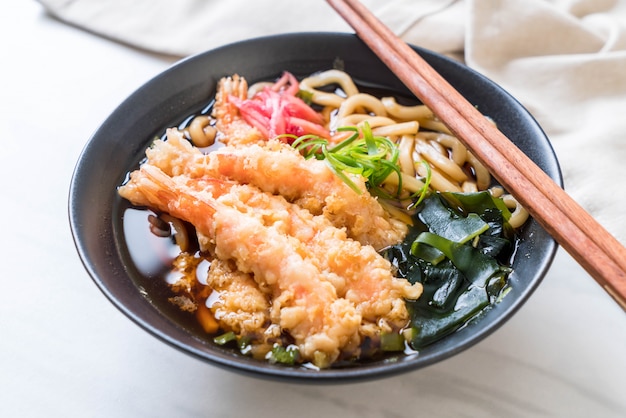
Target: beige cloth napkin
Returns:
[565, 60]
[184, 27]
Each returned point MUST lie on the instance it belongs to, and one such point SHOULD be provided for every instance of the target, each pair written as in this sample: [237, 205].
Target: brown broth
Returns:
[151, 259]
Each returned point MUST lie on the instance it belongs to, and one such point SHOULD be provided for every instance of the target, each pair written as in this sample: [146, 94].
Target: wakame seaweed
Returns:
[458, 248]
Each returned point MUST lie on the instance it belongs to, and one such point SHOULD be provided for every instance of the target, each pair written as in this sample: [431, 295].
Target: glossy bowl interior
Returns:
[185, 88]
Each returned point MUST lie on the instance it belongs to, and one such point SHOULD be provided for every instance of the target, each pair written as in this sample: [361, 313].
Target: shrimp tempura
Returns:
[279, 169]
[305, 303]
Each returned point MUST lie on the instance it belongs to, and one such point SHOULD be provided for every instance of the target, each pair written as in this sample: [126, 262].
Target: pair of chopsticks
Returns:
[592, 246]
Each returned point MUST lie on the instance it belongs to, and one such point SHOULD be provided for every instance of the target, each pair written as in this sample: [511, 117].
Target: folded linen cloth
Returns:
[185, 27]
[565, 60]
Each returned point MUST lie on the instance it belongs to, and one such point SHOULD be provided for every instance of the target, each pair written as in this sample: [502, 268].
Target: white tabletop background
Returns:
[65, 351]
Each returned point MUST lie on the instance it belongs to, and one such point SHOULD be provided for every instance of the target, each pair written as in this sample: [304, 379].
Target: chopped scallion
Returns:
[225, 338]
[362, 153]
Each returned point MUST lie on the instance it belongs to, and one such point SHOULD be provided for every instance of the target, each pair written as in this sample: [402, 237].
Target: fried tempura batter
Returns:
[237, 302]
[293, 249]
[324, 286]
[235, 130]
[304, 303]
[279, 169]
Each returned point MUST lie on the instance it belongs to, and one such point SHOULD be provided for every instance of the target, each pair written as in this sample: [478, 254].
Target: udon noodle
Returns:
[420, 136]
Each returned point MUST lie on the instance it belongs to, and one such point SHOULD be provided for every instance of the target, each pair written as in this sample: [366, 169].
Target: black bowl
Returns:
[118, 145]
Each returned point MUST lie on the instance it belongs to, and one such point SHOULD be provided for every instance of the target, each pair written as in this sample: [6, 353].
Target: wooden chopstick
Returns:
[590, 244]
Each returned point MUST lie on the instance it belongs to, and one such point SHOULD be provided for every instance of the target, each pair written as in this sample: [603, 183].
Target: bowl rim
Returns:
[259, 369]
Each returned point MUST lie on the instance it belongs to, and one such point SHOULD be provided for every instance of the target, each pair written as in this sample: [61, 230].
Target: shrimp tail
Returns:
[164, 191]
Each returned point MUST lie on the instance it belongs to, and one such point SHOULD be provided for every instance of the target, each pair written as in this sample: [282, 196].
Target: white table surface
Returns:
[65, 351]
